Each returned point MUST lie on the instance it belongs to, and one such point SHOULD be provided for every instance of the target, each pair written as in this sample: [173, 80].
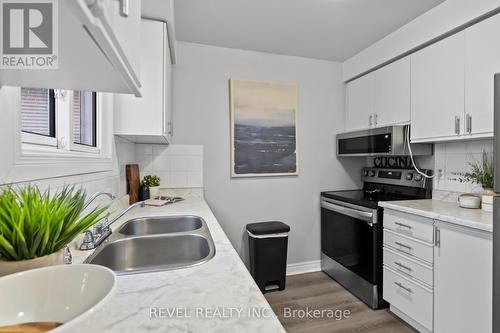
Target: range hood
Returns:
[382, 141]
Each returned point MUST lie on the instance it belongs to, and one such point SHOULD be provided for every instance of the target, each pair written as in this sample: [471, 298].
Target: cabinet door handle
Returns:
[170, 128]
[370, 120]
[468, 123]
[403, 225]
[124, 8]
[404, 245]
[376, 119]
[457, 125]
[403, 266]
[437, 237]
[400, 285]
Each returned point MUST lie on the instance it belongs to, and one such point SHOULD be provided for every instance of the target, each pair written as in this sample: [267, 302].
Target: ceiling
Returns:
[323, 29]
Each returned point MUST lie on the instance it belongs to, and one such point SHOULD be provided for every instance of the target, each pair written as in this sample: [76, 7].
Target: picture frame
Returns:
[264, 128]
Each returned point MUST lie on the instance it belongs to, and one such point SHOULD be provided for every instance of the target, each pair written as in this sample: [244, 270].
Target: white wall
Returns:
[178, 166]
[201, 116]
[432, 24]
[452, 160]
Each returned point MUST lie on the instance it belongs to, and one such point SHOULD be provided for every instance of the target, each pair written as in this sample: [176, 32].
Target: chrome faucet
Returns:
[95, 196]
[92, 240]
[98, 226]
[108, 223]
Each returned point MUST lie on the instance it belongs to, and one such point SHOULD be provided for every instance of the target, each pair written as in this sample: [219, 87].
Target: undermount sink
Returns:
[54, 294]
[161, 225]
[152, 244]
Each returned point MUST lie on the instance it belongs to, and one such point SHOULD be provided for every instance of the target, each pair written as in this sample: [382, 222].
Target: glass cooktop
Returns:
[361, 198]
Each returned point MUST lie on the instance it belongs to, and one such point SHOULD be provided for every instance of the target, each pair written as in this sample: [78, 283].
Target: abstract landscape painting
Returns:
[263, 128]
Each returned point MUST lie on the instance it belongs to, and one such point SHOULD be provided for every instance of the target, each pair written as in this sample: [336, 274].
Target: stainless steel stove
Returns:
[352, 224]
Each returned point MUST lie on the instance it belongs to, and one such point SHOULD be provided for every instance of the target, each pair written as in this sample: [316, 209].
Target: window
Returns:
[63, 119]
[38, 116]
[84, 118]
[38, 111]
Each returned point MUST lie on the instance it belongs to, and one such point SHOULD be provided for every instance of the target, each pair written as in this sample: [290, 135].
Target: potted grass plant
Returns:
[36, 226]
[153, 182]
[482, 172]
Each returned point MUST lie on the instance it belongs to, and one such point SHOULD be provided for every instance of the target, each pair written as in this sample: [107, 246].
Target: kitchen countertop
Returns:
[444, 211]
[219, 295]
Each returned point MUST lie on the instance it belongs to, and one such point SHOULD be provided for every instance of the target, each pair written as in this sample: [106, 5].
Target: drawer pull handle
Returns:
[403, 225]
[402, 266]
[404, 245]
[400, 285]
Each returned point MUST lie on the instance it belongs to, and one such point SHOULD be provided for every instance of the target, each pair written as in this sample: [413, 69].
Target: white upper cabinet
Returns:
[380, 98]
[437, 90]
[392, 93]
[462, 280]
[360, 102]
[162, 10]
[148, 119]
[98, 49]
[482, 61]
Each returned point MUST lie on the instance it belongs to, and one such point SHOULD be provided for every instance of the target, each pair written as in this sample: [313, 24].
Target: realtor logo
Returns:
[29, 36]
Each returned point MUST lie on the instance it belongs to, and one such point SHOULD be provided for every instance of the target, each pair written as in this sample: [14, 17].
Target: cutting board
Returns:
[133, 182]
[36, 327]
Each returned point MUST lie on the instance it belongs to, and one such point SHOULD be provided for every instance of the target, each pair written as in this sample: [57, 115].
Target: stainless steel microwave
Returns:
[383, 141]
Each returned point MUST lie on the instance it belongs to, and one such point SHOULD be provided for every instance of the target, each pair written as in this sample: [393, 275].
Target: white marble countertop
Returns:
[449, 212]
[219, 295]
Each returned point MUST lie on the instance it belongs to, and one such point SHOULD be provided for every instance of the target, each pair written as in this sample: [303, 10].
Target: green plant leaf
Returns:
[35, 224]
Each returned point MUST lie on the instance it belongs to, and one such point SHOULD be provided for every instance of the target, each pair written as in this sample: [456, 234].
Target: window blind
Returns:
[76, 117]
[35, 111]
[84, 114]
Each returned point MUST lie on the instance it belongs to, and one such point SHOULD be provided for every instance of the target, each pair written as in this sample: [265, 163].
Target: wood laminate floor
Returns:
[319, 291]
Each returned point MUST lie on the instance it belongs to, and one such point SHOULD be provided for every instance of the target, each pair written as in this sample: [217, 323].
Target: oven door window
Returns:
[371, 144]
[350, 242]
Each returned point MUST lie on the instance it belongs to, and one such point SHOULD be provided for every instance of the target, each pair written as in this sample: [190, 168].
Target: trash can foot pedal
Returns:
[272, 287]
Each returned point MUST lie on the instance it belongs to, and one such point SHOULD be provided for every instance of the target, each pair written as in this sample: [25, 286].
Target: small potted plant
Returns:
[482, 172]
[35, 227]
[153, 182]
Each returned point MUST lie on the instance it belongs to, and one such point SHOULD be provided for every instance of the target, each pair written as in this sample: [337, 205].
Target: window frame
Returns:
[41, 139]
[24, 161]
[63, 142]
[97, 132]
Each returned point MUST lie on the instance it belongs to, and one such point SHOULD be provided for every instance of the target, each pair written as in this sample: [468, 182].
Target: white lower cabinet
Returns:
[462, 280]
[409, 297]
[416, 270]
[409, 246]
[441, 286]
[408, 267]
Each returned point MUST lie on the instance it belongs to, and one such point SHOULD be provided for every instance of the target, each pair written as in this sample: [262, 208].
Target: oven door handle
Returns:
[365, 216]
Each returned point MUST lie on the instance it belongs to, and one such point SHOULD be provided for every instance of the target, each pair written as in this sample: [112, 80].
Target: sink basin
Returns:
[154, 253]
[161, 225]
[60, 294]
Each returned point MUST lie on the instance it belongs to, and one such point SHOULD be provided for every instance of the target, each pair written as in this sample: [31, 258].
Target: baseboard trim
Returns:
[303, 267]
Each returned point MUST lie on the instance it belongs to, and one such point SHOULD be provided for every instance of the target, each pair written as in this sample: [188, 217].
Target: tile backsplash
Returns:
[178, 166]
[452, 161]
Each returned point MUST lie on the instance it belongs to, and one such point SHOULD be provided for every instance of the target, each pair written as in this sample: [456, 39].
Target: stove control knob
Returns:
[418, 178]
[409, 176]
[372, 173]
[365, 173]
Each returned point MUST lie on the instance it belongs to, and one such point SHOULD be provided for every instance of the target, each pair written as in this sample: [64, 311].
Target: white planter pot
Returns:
[487, 200]
[154, 192]
[11, 267]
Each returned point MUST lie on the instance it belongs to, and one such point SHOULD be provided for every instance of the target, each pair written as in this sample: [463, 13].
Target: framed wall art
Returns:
[264, 140]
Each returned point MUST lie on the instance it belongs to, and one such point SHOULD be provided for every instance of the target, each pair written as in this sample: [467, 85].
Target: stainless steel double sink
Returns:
[158, 243]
